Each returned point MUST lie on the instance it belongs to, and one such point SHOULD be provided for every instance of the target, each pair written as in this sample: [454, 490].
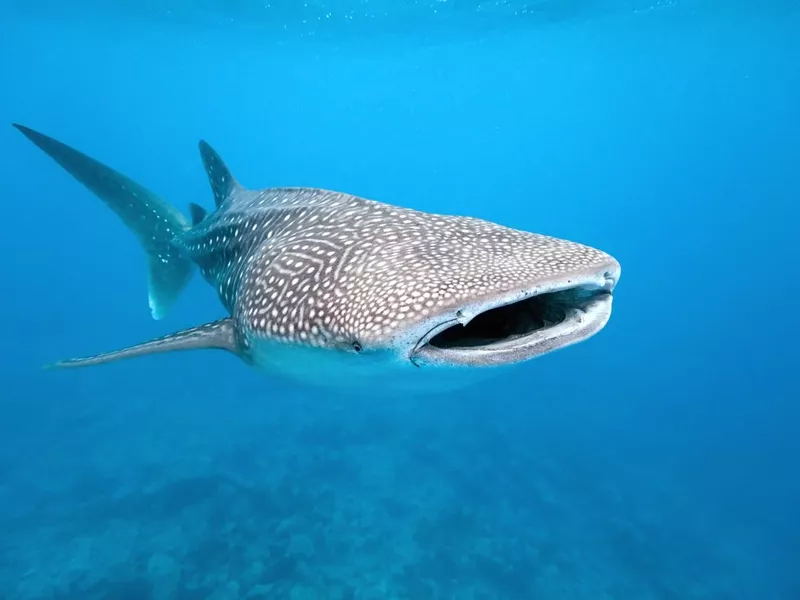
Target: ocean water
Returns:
[655, 461]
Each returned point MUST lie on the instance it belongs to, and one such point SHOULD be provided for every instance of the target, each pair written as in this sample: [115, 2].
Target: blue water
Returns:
[656, 461]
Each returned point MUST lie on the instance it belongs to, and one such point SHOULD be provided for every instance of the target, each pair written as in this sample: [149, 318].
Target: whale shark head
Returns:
[502, 297]
[365, 278]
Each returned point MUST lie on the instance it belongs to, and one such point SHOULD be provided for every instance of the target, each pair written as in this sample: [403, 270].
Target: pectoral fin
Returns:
[219, 334]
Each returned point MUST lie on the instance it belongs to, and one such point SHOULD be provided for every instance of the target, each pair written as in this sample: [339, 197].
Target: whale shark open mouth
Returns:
[519, 330]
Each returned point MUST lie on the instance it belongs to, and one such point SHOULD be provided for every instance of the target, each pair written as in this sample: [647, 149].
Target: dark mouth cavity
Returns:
[513, 321]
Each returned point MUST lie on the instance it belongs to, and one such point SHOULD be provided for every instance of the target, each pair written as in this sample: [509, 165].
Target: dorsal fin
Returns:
[219, 176]
[198, 213]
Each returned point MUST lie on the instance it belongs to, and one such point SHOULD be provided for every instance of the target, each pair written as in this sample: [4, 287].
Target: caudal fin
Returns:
[154, 222]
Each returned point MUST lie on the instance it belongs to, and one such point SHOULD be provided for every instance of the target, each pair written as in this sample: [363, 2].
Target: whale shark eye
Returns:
[357, 346]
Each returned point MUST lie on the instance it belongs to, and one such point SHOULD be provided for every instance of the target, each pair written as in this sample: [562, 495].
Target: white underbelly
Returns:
[373, 374]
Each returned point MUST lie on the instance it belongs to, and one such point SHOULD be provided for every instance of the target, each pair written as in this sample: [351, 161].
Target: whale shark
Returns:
[320, 285]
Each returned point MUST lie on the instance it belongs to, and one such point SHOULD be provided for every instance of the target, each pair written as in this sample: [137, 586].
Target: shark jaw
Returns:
[448, 353]
[521, 326]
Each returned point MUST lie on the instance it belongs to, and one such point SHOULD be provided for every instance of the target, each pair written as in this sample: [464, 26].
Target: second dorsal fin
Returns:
[222, 182]
[198, 213]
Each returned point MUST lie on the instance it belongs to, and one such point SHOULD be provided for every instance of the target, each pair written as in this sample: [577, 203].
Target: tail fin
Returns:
[154, 222]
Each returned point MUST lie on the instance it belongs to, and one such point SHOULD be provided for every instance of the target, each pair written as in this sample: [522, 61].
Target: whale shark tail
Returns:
[153, 221]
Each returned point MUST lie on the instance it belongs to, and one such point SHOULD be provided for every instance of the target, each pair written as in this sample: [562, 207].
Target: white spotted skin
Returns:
[303, 269]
